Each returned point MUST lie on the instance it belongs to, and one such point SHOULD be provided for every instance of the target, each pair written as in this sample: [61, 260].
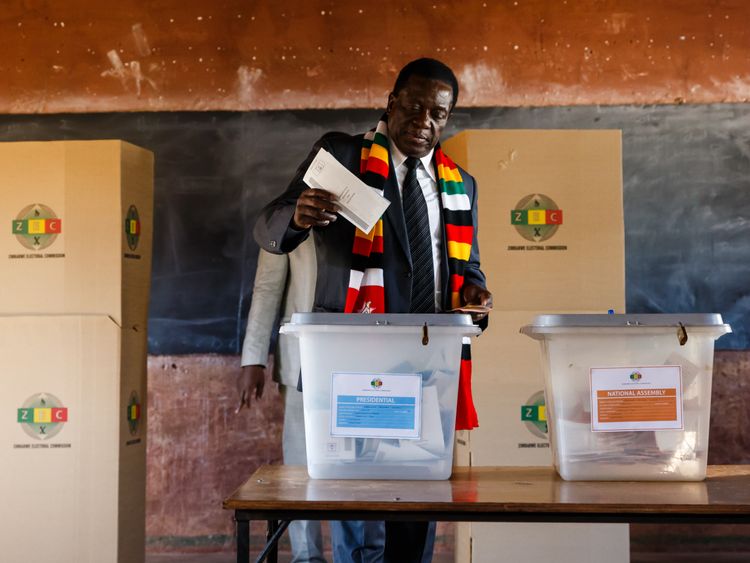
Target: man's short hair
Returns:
[427, 68]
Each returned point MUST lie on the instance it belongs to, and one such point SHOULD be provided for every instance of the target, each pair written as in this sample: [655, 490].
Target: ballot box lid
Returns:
[387, 319]
[709, 323]
[646, 320]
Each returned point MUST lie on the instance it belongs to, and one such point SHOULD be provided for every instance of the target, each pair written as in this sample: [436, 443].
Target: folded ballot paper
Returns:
[360, 204]
[430, 447]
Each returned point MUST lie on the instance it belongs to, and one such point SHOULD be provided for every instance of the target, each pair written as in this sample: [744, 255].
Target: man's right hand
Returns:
[251, 382]
[315, 208]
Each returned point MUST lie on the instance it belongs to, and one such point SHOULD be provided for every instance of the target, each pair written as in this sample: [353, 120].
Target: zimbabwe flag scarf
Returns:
[366, 293]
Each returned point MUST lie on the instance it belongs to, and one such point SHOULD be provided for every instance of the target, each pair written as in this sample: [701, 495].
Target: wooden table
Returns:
[282, 493]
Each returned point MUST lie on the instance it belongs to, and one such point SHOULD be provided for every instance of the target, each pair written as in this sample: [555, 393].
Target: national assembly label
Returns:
[636, 398]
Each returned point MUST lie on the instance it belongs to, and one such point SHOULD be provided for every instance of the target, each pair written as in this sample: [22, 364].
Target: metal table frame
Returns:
[278, 517]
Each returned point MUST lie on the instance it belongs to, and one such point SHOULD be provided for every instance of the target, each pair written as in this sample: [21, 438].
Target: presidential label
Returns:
[376, 405]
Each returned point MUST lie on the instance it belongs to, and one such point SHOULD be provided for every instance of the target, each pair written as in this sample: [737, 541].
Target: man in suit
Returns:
[418, 266]
[284, 284]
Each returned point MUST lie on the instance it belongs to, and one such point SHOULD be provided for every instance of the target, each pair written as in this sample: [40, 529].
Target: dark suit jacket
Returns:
[333, 244]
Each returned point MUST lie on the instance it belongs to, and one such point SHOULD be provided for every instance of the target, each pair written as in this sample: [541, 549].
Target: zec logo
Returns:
[636, 376]
[42, 416]
[536, 217]
[376, 383]
[534, 415]
[36, 226]
[133, 413]
[132, 227]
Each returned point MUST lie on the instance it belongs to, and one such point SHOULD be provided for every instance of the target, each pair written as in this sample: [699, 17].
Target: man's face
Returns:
[418, 114]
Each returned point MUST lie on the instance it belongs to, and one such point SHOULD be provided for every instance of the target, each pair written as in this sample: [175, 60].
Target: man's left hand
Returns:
[472, 294]
[251, 382]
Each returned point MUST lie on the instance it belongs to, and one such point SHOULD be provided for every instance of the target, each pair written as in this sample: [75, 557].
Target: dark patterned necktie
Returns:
[420, 242]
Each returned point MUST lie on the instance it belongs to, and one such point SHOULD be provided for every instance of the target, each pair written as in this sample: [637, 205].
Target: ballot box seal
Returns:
[42, 416]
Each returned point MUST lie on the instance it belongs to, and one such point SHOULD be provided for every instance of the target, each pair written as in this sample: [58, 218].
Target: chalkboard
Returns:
[686, 200]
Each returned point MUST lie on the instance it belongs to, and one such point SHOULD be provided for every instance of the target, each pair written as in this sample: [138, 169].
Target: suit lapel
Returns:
[395, 213]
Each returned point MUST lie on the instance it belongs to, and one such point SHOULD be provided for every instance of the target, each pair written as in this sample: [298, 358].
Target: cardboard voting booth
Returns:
[628, 396]
[75, 258]
[75, 443]
[76, 236]
[380, 393]
[551, 237]
[551, 229]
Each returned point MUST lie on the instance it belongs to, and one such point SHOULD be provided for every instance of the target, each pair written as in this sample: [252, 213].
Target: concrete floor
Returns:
[225, 557]
[688, 558]
[193, 558]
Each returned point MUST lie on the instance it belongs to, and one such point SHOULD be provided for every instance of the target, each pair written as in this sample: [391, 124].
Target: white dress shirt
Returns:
[428, 182]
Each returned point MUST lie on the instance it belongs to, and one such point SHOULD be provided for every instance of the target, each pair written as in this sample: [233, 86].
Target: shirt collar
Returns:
[398, 158]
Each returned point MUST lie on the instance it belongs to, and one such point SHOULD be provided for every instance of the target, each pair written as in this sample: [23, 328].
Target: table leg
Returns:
[276, 529]
[243, 539]
[273, 554]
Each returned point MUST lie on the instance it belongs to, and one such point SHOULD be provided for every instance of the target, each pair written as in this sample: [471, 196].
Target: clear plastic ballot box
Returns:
[380, 393]
[628, 397]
